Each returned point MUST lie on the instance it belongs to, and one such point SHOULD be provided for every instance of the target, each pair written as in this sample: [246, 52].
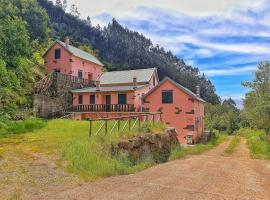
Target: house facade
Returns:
[66, 59]
[126, 92]
[180, 108]
[118, 91]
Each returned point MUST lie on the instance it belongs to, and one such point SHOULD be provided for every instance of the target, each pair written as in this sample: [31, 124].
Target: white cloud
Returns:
[230, 72]
[124, 8]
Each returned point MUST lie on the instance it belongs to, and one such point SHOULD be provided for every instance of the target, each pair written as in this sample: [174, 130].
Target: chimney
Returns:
[67, 42]
[97, 85]
[198, 92]
[135, 83]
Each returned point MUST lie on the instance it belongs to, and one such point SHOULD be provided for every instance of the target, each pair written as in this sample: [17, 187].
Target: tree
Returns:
[257, 101]
[88, 20]
[74, 11]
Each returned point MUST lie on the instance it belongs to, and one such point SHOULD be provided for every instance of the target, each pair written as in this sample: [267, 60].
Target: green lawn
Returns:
[258, 143]
[88, 157]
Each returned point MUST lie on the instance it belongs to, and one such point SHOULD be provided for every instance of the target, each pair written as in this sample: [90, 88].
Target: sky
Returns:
[225, 39]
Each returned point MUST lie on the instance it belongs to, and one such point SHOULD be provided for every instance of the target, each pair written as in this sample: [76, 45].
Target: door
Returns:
[80, 74]
[108, 103]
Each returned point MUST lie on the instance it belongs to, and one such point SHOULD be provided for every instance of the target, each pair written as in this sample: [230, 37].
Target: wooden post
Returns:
[106, 126]
[160, 119]
[90, 129]
[153, 119]
[118, 122]
[129, 123]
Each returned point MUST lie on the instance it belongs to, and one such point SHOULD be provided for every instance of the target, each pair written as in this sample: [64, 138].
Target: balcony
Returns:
[103, 108]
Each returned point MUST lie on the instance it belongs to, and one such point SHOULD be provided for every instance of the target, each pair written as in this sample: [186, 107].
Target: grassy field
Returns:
[232, 146]
[258, 143]
[180, 152]
[69, 140]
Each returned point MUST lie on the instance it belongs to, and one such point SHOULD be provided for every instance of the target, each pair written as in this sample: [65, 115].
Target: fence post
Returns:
[129, 123]
[118, 123]
[106, 126]
[90, 130]
[160, 119]
[153, 119]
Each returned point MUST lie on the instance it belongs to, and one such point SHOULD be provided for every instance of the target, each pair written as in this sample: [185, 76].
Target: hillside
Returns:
[27, 28]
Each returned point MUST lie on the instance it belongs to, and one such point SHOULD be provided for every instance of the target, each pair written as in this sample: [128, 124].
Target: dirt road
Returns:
[207, 176]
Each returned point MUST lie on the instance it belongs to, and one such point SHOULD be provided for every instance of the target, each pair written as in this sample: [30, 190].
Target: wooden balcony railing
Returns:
[103, 108]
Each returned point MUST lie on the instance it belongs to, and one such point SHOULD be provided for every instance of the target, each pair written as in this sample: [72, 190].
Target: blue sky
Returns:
[225, 39]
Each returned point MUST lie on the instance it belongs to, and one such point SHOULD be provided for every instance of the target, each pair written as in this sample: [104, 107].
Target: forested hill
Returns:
[120, 48]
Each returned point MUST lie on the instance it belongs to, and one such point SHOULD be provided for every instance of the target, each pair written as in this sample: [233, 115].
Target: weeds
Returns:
[15, 127]
[258, 142]
[232, 146]
[179, 152]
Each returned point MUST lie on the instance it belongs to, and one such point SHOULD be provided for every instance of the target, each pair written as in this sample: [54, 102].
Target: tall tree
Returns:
[257, 101]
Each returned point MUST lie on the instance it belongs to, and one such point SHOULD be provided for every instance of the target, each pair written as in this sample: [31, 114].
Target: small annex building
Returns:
[180, 108]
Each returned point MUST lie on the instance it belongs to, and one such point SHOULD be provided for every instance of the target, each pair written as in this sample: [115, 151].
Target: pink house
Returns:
[125, 92]
[66, 59]
[180, 108]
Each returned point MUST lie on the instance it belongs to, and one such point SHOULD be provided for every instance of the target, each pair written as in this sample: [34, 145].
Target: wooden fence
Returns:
[123, 122]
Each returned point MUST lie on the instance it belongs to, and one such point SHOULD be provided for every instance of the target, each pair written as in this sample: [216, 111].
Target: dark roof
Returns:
[116, 77]
[106, 89]
[187, 91]
[77, 52]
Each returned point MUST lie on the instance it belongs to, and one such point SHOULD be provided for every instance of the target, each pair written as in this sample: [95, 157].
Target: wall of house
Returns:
[63, 64]
[86, 67]
[179, 114]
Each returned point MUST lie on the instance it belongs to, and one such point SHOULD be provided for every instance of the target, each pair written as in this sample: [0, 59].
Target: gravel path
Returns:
[206, 176]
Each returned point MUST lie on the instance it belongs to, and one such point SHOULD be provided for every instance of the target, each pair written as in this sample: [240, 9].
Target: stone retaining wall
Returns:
[158, 146]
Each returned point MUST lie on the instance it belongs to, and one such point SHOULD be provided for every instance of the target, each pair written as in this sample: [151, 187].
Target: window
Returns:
[80, 99]
[122, 98]
[167, 96]
[154, 81]
[57, 53]
[80, 74]
[92, 99]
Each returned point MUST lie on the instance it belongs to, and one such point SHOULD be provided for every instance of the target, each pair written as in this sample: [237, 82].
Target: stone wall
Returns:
[158, 146]
[44, 105]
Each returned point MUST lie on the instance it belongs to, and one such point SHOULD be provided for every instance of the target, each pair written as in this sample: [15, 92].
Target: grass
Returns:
[179, 152]
[258, 143]
[90, 158]
[232, 146]
[16, 127]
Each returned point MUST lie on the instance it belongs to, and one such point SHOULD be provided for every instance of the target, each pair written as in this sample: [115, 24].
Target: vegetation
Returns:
[256, 110]
[23, 34]
[90, 158]
[223, 117]
[179, 152]
[19, 127]
[258, 142]
[232, 146]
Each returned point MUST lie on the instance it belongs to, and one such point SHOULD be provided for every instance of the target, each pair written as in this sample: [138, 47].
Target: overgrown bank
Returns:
[258, 142]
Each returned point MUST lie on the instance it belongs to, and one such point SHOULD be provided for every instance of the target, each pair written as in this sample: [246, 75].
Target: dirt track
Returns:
[207, 176]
